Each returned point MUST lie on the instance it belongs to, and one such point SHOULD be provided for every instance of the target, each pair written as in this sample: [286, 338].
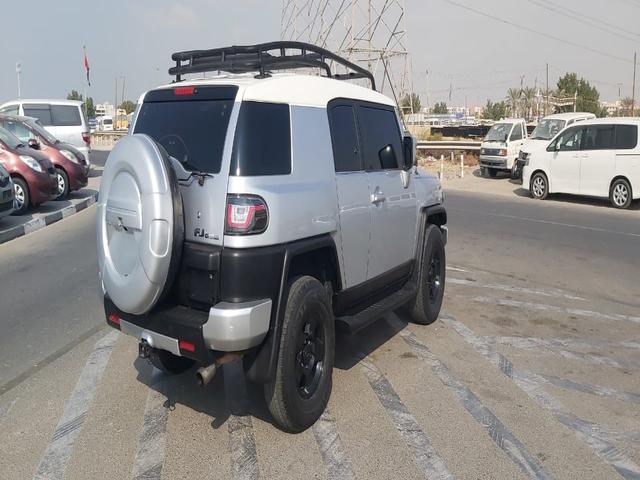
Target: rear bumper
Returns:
[227, 327]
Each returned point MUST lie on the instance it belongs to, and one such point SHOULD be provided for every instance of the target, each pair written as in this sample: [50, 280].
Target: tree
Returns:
[495, 111]
[440, 108]
[588, 97]
[625, 106]
[513, 100]
[88, 106]
[128, 106]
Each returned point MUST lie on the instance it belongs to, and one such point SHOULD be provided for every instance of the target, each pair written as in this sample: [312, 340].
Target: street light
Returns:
[18, 71]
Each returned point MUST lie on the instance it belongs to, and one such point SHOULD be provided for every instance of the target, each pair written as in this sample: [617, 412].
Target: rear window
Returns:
[262, 144]
[66, 116]
[626, 137]
[191, 131]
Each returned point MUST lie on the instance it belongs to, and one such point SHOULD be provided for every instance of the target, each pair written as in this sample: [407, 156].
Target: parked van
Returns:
[501, 146]
[547, 128]
[65, 119]
[105, 124]
[598, 158]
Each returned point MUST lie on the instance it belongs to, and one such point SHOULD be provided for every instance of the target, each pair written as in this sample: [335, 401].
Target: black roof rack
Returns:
[263, 58]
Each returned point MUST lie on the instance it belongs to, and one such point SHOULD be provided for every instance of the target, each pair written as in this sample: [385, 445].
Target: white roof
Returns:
[569, 116]
[512, 120]
[612, 120]
[51, 101]
[294, 89]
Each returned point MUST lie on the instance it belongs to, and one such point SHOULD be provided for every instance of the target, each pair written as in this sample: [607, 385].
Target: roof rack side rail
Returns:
[257, 58]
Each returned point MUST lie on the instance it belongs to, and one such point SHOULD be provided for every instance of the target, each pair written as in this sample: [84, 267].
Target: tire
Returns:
[483, 171]
[300, 391]
[620, 194]
[493, 173]
[167, 362]
[22, 195]
[63, 184]
[539, 186]
[514, 168]
[431, 279]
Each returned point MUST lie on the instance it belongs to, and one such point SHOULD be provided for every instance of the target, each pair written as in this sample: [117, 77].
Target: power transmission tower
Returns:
[371, 33]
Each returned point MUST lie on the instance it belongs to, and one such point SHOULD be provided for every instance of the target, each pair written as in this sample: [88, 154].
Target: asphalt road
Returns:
[532, 371]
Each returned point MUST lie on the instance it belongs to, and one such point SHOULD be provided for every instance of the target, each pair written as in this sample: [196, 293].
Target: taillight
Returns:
[246, 215]
[114, 320]
[184, 90]
[86, 138]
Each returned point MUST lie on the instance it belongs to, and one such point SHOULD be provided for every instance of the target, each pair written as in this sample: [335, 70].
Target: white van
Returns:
[64, 119]
[598, 158]
[501, 146]
[105, 124]
[547, 128]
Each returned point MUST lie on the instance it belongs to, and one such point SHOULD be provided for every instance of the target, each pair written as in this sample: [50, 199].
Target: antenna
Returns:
[370, 33]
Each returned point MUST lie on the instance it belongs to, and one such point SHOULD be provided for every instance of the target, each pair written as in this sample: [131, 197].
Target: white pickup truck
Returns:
[501, 146]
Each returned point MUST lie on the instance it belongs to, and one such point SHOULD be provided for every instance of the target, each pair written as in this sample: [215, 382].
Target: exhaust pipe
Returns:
[205, 374]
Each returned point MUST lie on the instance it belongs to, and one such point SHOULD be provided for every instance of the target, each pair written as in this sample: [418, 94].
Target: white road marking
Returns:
[548, 222]
[424, 454]
[599, 440]
[331, 448]
[497, 431]
[597, 390]
[515, 289]
[457, 269]
[151, 444]
[553, 308]
[56, 456]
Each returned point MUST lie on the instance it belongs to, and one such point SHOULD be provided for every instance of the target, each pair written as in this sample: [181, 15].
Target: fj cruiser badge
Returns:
[200, 232]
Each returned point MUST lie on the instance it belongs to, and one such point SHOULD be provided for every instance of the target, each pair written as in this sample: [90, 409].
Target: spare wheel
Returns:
[140, 224]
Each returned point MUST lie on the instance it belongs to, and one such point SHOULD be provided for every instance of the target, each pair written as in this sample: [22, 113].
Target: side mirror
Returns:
[409, 152]
[33, 143]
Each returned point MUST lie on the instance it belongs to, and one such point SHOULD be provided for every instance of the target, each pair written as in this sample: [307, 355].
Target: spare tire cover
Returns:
[140, 224]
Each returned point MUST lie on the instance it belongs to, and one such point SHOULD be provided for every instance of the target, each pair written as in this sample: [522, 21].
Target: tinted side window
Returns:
[517, 133]
[344, 137]
[626, 137]
[65, 116]
[570, 140]
[598, 138]
[380, 130]
[262, 144]
[41, 112]
[20, 131]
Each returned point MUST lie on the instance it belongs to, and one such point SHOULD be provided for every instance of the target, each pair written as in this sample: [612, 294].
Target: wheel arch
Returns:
[546, 175]
[19, 176]
[620, 177]
[317, 257]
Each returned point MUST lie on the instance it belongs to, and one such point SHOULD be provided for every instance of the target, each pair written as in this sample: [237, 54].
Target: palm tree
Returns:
[528, 95]
[513, 100]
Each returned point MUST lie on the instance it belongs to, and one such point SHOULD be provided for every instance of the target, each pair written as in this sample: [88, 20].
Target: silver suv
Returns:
[252, 214]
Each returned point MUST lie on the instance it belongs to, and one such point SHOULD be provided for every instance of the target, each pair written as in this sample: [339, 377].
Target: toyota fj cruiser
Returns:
[253, 214]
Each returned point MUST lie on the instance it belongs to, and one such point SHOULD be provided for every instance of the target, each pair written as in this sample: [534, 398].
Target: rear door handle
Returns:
[377, 197]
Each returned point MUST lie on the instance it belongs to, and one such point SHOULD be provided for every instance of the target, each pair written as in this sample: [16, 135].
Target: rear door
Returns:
[392, 204]
[565, 163]
[352, 186]
[597, 163]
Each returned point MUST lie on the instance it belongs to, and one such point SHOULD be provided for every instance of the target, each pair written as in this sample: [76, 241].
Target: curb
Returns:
[48, 219]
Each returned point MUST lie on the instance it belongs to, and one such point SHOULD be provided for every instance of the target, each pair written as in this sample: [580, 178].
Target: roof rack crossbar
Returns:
[257, 58]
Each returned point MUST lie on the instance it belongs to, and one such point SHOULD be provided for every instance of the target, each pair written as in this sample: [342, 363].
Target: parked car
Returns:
[250, 216]
[65, 119]
[598, 158]
[6, 193]
[105, 124]
[71, 166]
[92, 124]
[501, 146]
[546, 129]
[34, 176]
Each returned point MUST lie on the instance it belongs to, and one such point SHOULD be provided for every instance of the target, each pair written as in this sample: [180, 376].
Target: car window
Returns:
[382, 143]
[19, 130]
[66, 116]
[570, 140]
[191, 131]
[516, 134]
[41, 112]
[262, 144]
[10, 110]
[598, 137]
[344, 137]
[626, 137]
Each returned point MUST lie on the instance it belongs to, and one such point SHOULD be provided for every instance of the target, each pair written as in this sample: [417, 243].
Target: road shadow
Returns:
[230, 393]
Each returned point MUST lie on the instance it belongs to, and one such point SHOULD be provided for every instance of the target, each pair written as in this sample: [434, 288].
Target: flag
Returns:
[86, 65]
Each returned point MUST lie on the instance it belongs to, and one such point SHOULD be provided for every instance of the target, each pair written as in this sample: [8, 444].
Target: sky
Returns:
[466, 53]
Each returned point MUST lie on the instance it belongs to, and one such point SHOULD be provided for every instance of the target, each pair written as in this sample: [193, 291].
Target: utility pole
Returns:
[546, 96]
[633, 87]
[428, 109]
[115, 105]
[18, 71]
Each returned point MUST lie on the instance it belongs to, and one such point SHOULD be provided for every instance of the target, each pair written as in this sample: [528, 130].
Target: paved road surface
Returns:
[531, 372]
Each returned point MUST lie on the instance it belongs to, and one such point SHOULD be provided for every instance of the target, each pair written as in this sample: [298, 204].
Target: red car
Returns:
[34, 176]
[72, 168]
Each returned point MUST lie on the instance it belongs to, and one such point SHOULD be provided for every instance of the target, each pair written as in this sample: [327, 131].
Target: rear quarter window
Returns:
[626, 137]
[41, 112]
[66, 116]
[262, 144]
